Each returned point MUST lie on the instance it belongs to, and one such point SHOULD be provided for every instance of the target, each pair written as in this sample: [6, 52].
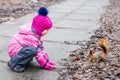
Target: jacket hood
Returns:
[26, 29]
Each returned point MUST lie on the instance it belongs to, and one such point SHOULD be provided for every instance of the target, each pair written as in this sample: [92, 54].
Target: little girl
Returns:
[26, 43]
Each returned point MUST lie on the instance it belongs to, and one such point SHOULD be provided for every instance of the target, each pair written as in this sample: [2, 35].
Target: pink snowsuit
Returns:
[26, 37]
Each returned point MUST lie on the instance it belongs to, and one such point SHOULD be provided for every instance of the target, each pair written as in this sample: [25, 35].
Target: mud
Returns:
[77, 67]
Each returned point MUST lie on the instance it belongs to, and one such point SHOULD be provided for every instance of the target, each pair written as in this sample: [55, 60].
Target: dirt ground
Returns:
[77, 67]
[12, 9]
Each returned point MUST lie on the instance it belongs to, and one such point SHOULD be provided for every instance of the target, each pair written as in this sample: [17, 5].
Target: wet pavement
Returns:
[73, 20]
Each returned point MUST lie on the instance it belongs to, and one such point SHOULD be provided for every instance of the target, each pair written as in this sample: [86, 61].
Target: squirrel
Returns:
[100, 55]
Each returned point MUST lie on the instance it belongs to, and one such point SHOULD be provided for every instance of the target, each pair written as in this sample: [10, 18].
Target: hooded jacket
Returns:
[26, 37]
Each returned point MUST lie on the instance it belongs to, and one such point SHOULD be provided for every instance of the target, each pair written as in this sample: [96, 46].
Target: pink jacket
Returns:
[24, 37]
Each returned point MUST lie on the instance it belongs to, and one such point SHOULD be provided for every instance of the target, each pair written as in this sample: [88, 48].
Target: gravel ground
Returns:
[12, 9]
[76, 67]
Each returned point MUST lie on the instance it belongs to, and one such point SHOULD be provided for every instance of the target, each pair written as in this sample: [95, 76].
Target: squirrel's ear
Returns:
[91, 52]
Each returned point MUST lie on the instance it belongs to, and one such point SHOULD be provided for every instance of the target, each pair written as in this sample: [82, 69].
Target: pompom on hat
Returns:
[41, 21]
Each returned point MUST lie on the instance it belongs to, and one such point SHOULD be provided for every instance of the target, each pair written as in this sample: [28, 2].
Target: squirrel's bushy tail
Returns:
[103, 45]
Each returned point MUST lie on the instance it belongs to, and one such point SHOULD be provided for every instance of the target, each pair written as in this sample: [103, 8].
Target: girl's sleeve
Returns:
[43, 59]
